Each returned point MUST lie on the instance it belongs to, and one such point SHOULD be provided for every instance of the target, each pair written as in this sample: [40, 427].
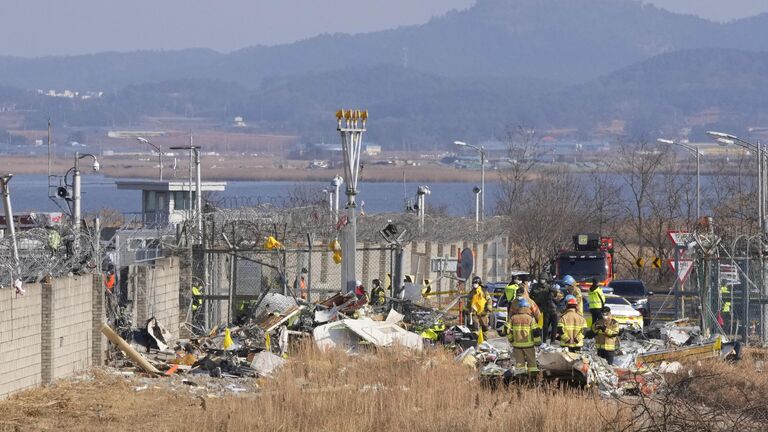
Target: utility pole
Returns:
[421, 194]
[351, 125]
[10, 222]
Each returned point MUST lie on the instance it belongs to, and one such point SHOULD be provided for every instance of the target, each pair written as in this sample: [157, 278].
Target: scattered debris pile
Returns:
[258, 343]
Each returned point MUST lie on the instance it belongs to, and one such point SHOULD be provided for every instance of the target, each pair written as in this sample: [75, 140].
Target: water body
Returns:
[30, 193]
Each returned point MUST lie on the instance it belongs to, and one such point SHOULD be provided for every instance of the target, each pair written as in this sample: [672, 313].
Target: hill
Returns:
[569, 41]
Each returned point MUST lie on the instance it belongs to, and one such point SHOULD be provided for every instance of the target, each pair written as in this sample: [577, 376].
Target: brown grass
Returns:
[388, 391]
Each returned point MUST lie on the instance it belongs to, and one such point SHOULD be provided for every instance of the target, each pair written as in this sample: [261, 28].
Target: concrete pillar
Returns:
[46, 333]
[99, 342]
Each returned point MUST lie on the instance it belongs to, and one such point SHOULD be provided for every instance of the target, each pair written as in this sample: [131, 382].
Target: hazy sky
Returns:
[42, 27]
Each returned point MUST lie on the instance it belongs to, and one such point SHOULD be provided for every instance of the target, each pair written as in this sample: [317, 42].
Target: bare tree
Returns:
[546, 216]
[637, 165]
[522, 151]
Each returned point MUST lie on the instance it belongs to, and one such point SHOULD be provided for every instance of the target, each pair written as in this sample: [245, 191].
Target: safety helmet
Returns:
[569, 280]
[569, 297]
[477, 280]
[523, 302]
[571, 301]
[556, 286]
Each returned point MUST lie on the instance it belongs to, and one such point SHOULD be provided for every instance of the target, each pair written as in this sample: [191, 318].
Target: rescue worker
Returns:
[596, 299]
[546, 298]
[378, 295]
[533, 306]
[197, 298]
[300, 284]
[571, 326]
[606, 335]
[54, 239]
[572, 288]
[109, 280]
[524, 335]
[481, 304]
[510, 291]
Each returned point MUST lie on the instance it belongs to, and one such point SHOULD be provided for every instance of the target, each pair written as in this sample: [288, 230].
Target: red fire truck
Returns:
[591, 258]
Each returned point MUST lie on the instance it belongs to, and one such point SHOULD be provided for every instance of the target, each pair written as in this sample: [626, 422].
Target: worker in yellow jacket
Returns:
[606, 335]
[524, 335]
[571, 326]
[481, 304]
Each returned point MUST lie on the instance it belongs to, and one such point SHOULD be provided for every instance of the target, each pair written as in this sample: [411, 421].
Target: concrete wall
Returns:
[55, 329]
[156, 290]
[20, 347]
[71, 324]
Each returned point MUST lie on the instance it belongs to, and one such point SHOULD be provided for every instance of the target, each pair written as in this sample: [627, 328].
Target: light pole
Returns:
[195, 150]
[76, 198]
[159, 153]
[694, 151]
[477, 191]
[421, 192]
[336, 183]
[9, 221]
[480, 150]
[351, 126]
[729, 139]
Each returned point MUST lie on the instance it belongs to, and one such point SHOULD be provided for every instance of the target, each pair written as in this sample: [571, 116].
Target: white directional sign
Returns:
[684, 269]
[680, 238]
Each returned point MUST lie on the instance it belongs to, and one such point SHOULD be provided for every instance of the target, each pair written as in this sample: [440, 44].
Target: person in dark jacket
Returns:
[546, 298]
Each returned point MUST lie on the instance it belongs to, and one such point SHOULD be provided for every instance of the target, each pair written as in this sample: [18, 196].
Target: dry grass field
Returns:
[389, 391]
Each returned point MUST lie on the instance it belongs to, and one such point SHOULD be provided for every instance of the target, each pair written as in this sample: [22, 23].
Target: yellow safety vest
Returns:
[596, 298]
[727, 307]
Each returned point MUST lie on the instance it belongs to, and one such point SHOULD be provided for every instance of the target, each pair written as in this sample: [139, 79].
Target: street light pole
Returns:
[762, 188]
[159, 153]
[481, 151]
[695, 151]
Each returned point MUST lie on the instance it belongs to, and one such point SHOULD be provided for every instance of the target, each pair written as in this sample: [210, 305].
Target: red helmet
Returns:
[572, 301]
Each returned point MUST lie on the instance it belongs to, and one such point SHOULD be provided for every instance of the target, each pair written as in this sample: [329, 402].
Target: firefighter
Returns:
[596, 301]
[606, 335]
[571, 326]
[532, 305]
[481, 304]
[378, 295]
[524, 335]
[197, 298]
[572, 288]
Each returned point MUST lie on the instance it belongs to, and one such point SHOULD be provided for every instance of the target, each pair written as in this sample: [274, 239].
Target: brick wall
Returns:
[20, 330]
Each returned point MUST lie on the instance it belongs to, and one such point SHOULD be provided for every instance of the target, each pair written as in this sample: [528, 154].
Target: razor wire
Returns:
[48, 252]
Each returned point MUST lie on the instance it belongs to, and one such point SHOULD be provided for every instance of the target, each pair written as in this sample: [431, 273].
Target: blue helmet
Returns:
[556, 286]
[523, 302]
[569, 280]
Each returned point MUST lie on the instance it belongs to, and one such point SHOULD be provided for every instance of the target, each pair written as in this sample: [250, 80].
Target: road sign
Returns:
[640, 262]
[684, 271]
[447, 265]
[657, 262]
[680, 238]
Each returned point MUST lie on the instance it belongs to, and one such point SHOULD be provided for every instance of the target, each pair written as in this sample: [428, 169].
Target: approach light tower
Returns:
[351, 125]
